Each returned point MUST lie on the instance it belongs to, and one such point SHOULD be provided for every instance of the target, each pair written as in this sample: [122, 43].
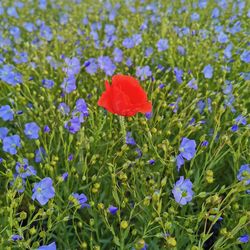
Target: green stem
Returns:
[123, 127]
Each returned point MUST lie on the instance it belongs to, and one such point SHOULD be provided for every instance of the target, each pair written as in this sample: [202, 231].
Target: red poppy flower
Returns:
[124, 97]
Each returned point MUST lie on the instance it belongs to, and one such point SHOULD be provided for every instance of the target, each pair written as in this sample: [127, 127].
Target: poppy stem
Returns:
[123, 127]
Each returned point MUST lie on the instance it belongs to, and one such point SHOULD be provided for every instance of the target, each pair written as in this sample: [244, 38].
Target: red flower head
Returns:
[125, 97]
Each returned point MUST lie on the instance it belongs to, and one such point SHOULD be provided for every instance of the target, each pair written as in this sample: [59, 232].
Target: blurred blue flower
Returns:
[63, 19]
[234, 128]
[31, 130]
[181, 50]
[137, 38]
[175, 105]
[11, 11]
[112, 209]
[46, 32]
[235, 29]
[201, 106]
[178, 74]
[195, 17]
[162, 45]
[151, 161]
[30, 27]
[16, 237]
[208, 71]
[240, 119]
[9, 75]
[129, 139]
[106, 64]
[149, 51]
[46, 129]
[63, 108]
[143, 72]
[192, 84]
[91, 66]
[182, 191]
[244, 174]
[245, 56]
[6, 113]
[244, 238]
[228, 51]
[15, 32]
[43, 191]
[129, 62]
[24, 170]
[204, 143]
[40, 154]
[73, 66]
[20, 57]
[222, 37]
[69, 84]
[3, 132]
[109, 29]
[81, 107]
[51, 246]
[65, 176]
[118, 55]
[47, 83]
[73, 125]
[148, 115]
[82, 199]
[128, 43]
[215, 13]
[11, 143]
[42, 4]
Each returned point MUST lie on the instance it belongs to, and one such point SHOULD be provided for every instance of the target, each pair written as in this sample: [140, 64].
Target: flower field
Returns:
[124, 124]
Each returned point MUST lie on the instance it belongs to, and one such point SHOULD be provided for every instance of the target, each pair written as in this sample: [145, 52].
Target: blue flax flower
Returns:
[245, 56]
[3, 132]
[178, 74]
[128, 43]
[11, 143]
[82, 199]
[51, 246]
[244, 174]
[244, 238]
[63, 108]
[112, 209]
[162, 45]
[47, 83]
[129, 139]
[187, 151]
[118, 55]
[73, 66]
[222, 37]
[91, 66]
[106, 64]
[73, 125]
[43, 191]
[46, 32]
[143, 72]
[6, 113]
[31, 130]
[10, 76]
[81, 106]
[208, 71]
[16, 237]
[24, 170]
[69, 84]
[39, 154]
[182, 191]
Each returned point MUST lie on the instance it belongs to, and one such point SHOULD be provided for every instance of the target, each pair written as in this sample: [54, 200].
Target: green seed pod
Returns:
[23, 215]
